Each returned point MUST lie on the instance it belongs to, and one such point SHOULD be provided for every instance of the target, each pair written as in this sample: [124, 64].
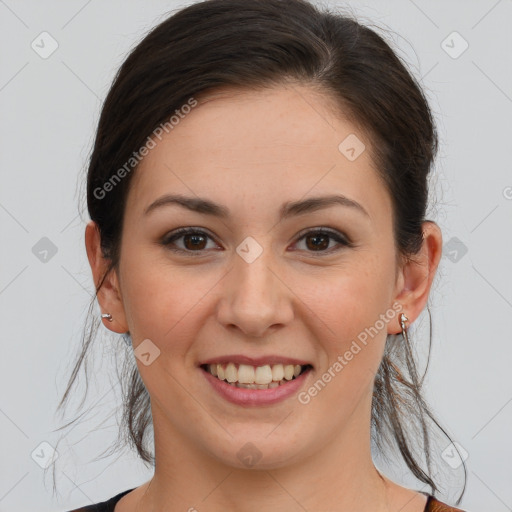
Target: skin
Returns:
[251, 151]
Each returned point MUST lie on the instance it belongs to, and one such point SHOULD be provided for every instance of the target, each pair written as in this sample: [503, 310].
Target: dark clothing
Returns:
[104, 506]
[432, 505]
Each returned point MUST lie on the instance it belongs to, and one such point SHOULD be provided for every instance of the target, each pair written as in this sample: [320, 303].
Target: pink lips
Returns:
[247, 397]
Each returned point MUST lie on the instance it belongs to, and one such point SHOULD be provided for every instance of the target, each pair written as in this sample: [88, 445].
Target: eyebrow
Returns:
[288, 209]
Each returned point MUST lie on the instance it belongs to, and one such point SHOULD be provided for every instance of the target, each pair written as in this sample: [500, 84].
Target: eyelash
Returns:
[168, 240]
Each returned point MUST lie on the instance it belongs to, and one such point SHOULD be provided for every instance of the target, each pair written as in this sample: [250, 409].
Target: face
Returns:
[266, 283]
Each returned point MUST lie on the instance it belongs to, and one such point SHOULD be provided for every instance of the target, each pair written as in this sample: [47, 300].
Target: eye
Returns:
[194, 240]
[317, 240]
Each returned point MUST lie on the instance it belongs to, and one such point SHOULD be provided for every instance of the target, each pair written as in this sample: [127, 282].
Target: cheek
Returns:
[351, 333]
[348, 301]
[157, 297]
[352, 339]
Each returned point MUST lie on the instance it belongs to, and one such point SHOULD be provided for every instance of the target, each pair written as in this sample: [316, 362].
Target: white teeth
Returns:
[245, 374]
[231, 373]
[263, 375]
[288, 371]
[260, 377]
[277, 372]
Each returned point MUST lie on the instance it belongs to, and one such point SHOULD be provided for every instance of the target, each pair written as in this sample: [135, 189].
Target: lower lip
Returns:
[245, 396]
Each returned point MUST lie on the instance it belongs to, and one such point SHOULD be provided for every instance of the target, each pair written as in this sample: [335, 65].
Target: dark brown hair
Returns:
[258, 44]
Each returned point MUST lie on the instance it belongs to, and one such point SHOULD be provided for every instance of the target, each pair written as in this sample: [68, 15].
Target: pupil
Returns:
[195, 237]
[321, 246]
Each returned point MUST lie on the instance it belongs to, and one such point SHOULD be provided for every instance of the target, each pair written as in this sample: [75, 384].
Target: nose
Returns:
[255, 298]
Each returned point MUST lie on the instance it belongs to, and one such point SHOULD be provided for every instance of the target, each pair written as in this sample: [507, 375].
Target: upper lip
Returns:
[254, 361]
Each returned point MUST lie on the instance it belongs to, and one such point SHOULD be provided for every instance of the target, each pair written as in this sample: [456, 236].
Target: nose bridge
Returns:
[255, 299]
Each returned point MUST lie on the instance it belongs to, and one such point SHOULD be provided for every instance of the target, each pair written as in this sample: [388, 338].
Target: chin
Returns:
[261, 451]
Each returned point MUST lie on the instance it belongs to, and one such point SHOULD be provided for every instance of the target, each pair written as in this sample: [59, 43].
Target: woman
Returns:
[258, 189]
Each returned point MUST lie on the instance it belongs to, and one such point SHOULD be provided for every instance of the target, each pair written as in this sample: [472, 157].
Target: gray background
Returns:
[49, 110]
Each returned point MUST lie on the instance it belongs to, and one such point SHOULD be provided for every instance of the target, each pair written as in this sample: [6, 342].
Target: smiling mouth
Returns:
[256, 377]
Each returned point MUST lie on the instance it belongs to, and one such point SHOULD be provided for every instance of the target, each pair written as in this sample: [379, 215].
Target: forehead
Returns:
[281, 143]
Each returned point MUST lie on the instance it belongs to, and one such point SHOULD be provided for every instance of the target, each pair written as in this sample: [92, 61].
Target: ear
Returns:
[109, 296]
[416, 276]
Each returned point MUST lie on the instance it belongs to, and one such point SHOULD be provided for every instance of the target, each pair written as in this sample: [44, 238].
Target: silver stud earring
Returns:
[108, 316]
